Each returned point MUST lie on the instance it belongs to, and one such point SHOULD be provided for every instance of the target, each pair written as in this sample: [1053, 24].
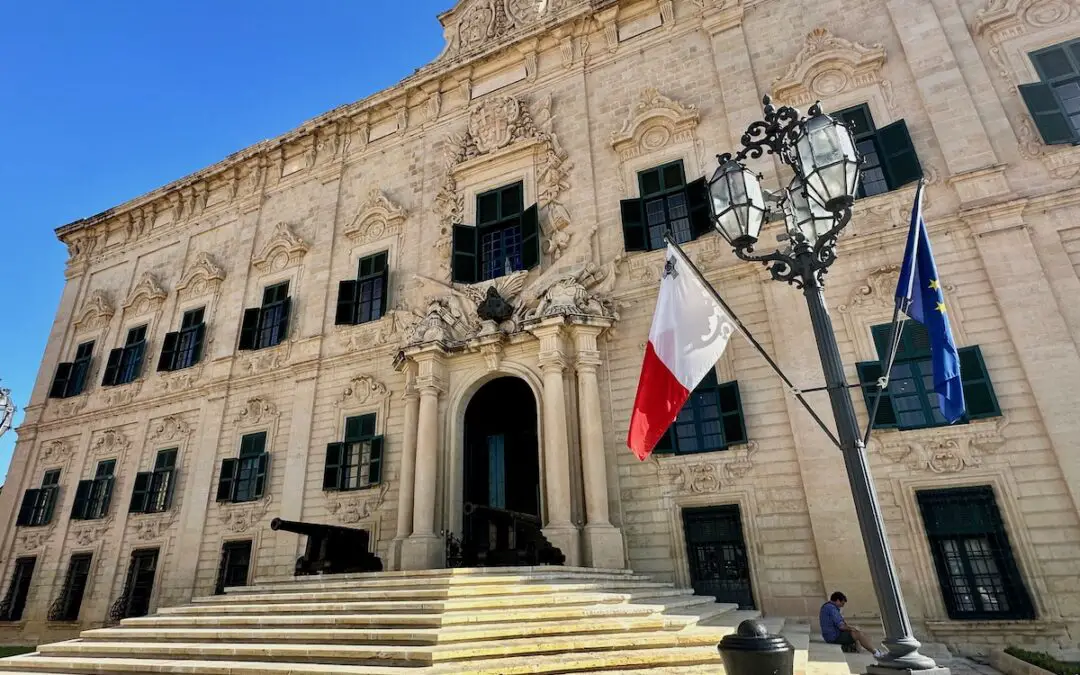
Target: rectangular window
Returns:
[233, 569]
[711, 419]
[153, 489]
[889, 158]
[38, 503]
[364, 299]
[92, 497]
[66, 607]
[14, 602]
[183, 349]
[974, 560]
[267, 325]
[1054, 101]
[356, 462]
[125, 364]
[667, 205]
[506, 238]
[138, 586]
[244, 479]
[70, 377]
[910, 402]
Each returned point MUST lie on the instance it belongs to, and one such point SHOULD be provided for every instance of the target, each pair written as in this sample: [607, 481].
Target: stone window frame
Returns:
[254, 536]
[164, 548]
[96, 566]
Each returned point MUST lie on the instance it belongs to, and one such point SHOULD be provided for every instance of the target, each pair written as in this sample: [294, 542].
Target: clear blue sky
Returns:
[103, 101]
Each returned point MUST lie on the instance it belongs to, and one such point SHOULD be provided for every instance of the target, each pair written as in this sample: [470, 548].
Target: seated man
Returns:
[836, 631]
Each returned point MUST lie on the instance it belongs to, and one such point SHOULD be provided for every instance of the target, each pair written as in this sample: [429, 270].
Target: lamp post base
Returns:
[885, 670]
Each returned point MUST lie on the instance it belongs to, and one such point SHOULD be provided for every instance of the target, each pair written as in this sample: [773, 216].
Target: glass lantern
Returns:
[828, 161]
[805, 216]
[738, 206]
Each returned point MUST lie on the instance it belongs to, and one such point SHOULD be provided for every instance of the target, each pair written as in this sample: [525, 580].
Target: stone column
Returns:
[424, 547]
[559, 527]
[406, 479]
[603, 542]
[286, 546]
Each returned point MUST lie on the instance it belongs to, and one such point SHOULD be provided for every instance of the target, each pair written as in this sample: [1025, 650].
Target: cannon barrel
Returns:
[303, 528]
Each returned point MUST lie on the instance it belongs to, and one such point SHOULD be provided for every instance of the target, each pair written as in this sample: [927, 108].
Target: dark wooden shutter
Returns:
[140, 496]
[197, 348]
[375, 467]
[633, 225]
[385, 286]
[26, 509]
[136, 352]
[1049, 118]
[346, 303]
[60, 381]
[464, 262]
[530, 238]
[167, 360]
[106, 498]
[731, 413]
[283, 321]
[227, 482]
[112, 367]
[332, 472]
[979, 394]
[79, 374]
[51, 495]
[898, 154]
[249, 328]
[82, 500]
[260, 475]
[170, 478]
[869, 372]
[697, 200]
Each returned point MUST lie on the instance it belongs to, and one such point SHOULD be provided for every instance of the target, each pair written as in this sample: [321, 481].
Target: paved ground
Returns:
[958, 666]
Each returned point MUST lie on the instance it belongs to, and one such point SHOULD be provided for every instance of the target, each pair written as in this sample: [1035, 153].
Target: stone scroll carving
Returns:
[942, 449]
[377, 218]
[283, 249]
[96, 313]
[721, 470]
[256, 411]
[203, 277]
[355, 508]
[481, 24]
[828, 65]
[653, 123]
[145, 297]
[362, 390]
[242, 517]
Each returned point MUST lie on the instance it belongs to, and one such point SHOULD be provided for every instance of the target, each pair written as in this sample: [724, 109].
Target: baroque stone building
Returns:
[434, 302]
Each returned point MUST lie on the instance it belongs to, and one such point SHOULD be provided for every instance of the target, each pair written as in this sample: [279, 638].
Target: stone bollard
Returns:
[752, 651]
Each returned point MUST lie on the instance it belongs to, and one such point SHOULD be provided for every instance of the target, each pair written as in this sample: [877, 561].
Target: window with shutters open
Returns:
[154, 489]
[267, 325]
[355, 462]
[93, 496]
[243, 479]
[38, 503]
[363, 299]
[506, 237]
[711, 419]
[1054, 101]
[909, 402]
[14, 601]
[125, 363]
[889, 160]
[667, 204]
[70, 377]
[183, 349]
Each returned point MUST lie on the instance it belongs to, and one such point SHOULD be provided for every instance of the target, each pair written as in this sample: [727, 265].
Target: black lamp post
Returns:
[816, 206]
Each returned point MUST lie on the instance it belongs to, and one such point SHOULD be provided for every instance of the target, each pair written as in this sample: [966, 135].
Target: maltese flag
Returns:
[689, 333]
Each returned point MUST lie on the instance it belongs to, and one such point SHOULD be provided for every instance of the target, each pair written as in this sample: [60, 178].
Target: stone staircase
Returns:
[492, 621]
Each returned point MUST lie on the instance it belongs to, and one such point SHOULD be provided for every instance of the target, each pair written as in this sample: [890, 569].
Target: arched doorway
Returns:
[501, 491]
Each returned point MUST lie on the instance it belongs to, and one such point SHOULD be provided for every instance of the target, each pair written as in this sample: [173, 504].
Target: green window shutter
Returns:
[731, 413]
[332, 471]
[375, 467]
[978, 391]
[464, 263]
[60, 381]
[697, 200]
[346, 303]
[167, 360]
[78, 376]
[530, 238]
[633, 225]
[82, 500]
[914, 340]
[283, 321]
[260, 475]
[1054, 62]
[249, 328]
[227, 482]
[898, 154]
[112, 367]
[869, 372]
[26, 509]
[1046, 110]
[385, 274]
[52, 494]
[169, 476]
[106, 497]
[200, 338]
[135, 353]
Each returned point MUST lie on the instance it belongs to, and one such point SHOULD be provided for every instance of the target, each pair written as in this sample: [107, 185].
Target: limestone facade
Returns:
[573, 98]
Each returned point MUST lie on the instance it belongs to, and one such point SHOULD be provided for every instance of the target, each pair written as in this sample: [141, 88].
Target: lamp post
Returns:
[816, 206]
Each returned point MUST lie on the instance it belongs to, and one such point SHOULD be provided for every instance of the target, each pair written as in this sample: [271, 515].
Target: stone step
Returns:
[34, 664]
[704, 659]
[334, 581]
[690, 615]
[825, 659]
[564, 571]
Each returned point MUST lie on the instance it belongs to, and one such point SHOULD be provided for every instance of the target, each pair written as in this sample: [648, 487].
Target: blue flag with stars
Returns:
[919, 294]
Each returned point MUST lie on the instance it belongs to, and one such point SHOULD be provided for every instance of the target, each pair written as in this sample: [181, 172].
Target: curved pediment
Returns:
[146, 296]
[826, 66]
[654, 122]
[476, 25]
[96, 312]
[283, 249]
[377, 218]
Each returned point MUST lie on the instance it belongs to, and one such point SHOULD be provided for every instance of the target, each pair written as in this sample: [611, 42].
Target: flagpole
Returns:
[746, 333]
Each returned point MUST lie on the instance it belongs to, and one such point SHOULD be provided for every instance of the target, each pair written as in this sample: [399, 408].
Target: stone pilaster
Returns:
[407, 477]
[424, 547]
[296, 464]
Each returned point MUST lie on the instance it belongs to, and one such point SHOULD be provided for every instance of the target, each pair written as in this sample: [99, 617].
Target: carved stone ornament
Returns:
[357, 506]
[86, 534]
[111, 442]
[146, 296]
[720, 470]
[942, 449]
[96, 313]
[283, 249]
[877, 294]
[386, 330]
[361, 390]
[203, 277]
[80, 246]
[56, 451]
[180, 380]
[480, 24]
[1004, 19]
[266, 360]
[827, 66]
[241, 517]
[169, 429]
[653, 123]
[151, 527]
[33, 539]
[69, 407]
[256, 411]
[377, 218]
[110, 397]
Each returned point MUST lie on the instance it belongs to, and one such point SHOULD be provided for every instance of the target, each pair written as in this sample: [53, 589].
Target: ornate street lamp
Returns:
[7, 410]
[816, 206]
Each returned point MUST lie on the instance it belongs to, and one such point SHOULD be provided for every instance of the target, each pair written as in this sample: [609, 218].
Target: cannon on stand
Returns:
[501, 537]
[331, 549]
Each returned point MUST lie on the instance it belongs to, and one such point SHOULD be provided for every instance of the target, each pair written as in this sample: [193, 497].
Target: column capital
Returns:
[719, 20]
[429, 385]
[553, 362]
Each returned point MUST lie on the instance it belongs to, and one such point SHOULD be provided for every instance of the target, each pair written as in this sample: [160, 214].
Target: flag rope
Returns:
[753, 341]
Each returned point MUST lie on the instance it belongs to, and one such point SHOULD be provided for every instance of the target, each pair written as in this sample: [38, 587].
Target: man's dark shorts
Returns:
[846, 639]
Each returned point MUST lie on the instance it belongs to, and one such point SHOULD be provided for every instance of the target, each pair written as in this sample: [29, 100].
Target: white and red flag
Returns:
[690, 330]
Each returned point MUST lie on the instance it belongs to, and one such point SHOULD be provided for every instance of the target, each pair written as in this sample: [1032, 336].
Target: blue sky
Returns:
[103, 101]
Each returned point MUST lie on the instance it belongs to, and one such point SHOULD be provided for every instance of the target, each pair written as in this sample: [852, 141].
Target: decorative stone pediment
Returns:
[1004, 19]
[96, 313]
[826, 66]
[151, 527]
[942, 449]
[283, 249]
[691, 476]
[875, 295]
[146, 297]
[111, 442]
[653, 123]
[256, 411]
[357, 506]
[86, 534]
[203, 277]
[241, 517]
[169, 429]
[475, 25]
[33, 539]
[110, 397]
[362, 390]
[377, 218]
[266, 360]
[56, 451]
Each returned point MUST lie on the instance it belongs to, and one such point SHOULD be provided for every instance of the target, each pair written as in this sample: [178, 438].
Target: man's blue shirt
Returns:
[831, 620]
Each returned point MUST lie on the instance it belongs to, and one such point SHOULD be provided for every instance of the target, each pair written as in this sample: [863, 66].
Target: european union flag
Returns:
[919, 295]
